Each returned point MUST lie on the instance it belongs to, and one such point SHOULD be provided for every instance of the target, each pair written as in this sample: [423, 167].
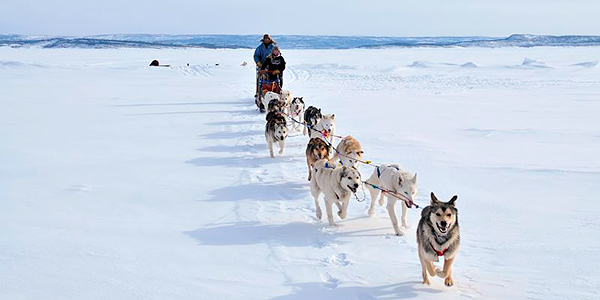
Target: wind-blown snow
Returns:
[123, 181]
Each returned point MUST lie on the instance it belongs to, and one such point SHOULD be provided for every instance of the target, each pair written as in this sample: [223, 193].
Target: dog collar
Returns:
[439, 253]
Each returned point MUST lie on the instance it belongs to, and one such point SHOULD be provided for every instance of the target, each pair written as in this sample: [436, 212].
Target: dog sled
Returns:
[265, 85]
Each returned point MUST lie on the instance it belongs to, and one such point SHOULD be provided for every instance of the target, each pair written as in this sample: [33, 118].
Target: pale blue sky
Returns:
[334, 17]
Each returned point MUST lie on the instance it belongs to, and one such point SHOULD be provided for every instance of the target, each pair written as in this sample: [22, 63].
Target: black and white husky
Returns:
[275, 131]
[312, 116]
[438, 235]
[297, 111]
[276, 105]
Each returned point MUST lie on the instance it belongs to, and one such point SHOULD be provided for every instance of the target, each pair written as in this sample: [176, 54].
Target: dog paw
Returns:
[371, 212]
[449, 281]
[319, 214]
[426, 281]
[399, 232]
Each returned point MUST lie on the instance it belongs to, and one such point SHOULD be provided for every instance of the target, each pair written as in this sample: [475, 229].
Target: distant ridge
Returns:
[290, 41]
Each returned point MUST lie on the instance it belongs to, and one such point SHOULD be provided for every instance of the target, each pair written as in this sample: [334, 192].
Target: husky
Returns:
[325, 128]
[297, 110]
[266, 98]
[315, 150]
[393, 178]
[438, 235]
[275, 131]
[348, 152]
[312, 115]
[336, 184]
[276, 105]
[286, 97]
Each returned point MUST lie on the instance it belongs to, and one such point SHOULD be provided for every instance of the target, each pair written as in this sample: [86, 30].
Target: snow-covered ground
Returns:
[121, 181]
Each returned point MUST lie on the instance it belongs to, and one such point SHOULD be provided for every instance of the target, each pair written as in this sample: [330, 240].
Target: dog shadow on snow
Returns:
[230, 123]
[238, 162]
[333, 290]
[228, 135]
[254, 148]
[241, 102]
[295, 234]
[259, 191]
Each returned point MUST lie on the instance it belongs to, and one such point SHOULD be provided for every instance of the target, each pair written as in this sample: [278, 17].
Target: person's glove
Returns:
[276, 72]
[259, 64]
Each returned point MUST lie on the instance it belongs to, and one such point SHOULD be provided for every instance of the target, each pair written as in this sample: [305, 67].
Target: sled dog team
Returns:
[438, 230]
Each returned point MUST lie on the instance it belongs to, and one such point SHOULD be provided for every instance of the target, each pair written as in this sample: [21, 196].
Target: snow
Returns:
[123, 181]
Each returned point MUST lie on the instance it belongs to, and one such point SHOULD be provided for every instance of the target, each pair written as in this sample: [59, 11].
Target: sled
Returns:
[266, 86]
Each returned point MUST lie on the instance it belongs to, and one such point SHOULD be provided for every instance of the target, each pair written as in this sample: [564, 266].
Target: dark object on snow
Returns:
[154, 63]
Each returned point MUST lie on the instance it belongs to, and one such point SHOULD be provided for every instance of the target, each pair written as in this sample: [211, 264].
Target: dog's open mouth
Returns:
[353, 189]
[442, 229]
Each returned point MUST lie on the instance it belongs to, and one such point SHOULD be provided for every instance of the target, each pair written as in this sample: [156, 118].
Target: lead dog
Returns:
[315, 150]
[438, 235]
[297, 111]
[312, 115]
[393, 178]
[275, 131]
[348, 152]
[336, 185]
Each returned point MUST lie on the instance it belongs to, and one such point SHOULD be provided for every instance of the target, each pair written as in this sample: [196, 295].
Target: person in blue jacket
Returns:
[261, 53]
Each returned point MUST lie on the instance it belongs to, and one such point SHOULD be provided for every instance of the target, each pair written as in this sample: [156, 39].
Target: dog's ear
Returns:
[332, 116]
[434, 199]
[453, 200]
[343, 172]
[414, 179]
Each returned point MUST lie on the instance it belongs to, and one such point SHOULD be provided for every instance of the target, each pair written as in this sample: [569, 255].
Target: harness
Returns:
[439, 253]
[379, 171]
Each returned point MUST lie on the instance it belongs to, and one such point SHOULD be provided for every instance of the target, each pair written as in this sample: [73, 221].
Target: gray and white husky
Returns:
[438, 235]
[393, 178]
[275, 131]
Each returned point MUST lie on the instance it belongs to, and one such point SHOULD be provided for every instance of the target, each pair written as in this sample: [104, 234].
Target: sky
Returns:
[307, 17]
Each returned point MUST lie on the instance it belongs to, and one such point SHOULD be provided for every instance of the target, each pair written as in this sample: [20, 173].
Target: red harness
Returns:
[439, 253]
